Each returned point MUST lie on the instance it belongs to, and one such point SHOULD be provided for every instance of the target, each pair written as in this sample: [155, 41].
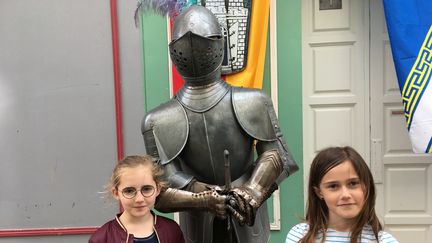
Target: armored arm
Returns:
[289, 165]
[174, 200]
[195, 196]
[181, 180]
[262, 183]
[256, 115]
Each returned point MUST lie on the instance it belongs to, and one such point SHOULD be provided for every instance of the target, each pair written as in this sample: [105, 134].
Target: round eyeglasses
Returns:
[131, 192]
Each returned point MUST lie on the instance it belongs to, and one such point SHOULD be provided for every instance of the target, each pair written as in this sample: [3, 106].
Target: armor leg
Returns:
[198, 227]
[259, 232]
[220, 232]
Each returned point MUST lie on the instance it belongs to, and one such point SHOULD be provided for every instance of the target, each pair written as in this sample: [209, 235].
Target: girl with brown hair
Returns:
[341, 201]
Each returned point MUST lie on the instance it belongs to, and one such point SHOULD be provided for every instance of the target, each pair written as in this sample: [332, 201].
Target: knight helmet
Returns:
[196, 48]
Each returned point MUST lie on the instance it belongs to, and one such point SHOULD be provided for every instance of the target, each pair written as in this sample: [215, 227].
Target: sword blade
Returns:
[227, 188]
[227, 170]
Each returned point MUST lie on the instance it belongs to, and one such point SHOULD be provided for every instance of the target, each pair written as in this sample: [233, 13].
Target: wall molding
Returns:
[276, 224]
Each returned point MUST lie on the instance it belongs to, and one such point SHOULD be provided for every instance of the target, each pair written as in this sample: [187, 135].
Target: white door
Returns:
[350, 97]
[335, 88]
[404, 180]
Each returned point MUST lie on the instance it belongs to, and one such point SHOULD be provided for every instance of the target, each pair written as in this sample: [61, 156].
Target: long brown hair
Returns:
[316, 209]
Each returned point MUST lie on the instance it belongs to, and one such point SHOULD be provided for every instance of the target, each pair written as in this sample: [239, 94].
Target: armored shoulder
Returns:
[165, 130]
[255, 113]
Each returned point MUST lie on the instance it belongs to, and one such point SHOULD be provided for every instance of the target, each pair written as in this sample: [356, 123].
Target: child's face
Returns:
[136, 178]
[343, 193]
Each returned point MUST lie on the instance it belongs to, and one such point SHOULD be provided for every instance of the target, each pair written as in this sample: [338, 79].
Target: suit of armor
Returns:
[190, 133]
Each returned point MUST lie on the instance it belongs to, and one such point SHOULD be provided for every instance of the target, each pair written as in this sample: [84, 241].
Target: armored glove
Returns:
[197, 186]
[174, 200]
[250, 196]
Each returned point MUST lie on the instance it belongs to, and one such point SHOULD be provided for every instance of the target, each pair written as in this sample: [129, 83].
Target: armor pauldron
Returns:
[165, 131]
[251, 107]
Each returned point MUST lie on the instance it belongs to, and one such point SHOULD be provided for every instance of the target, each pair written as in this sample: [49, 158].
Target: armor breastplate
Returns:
[208, 133]
[198, 134]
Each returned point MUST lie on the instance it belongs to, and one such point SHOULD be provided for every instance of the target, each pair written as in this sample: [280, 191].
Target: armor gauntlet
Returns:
[251, 195]
[198, 186]
[174, 200]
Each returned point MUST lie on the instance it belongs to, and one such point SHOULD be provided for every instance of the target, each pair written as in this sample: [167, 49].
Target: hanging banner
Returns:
[409, 25]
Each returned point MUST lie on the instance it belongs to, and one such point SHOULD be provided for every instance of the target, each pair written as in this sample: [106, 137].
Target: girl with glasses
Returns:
[136, 182]
[341, 201]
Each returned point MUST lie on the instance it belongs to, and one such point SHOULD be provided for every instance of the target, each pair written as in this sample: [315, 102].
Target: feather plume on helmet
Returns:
[172, 8]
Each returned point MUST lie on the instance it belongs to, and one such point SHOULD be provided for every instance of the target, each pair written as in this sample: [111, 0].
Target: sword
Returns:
[227, 188]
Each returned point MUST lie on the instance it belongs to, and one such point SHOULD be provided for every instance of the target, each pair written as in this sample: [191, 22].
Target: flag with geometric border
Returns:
[409, 25]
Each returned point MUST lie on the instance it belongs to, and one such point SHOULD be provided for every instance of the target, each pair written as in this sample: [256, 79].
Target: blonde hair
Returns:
[134, 161]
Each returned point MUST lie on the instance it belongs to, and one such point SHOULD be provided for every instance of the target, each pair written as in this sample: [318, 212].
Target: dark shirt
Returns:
[149, 239]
